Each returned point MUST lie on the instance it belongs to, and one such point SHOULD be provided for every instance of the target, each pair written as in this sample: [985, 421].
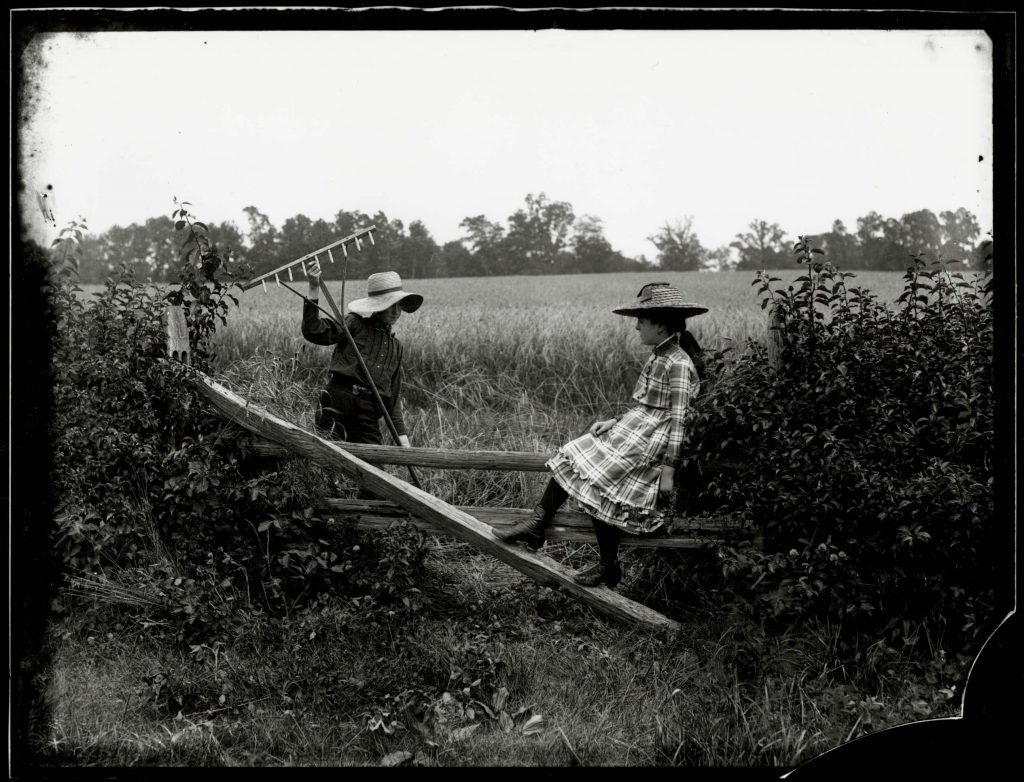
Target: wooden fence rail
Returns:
[688, 533]
[444, 459]
[422, 505]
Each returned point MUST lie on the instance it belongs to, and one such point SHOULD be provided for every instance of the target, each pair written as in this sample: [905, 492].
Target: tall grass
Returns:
[499, 363]
[498, 345]
[488, 343]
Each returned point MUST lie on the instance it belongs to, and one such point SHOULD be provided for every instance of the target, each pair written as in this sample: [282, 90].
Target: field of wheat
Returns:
[499, 363]
[508, 363]
[493, 324]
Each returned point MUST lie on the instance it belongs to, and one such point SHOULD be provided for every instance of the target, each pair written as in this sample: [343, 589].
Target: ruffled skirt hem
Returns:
[603, 504]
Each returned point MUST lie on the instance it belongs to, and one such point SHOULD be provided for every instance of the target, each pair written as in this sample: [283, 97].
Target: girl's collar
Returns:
[661, 346]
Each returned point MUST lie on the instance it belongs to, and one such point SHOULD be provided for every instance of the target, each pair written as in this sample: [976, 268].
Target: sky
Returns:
[636, 127]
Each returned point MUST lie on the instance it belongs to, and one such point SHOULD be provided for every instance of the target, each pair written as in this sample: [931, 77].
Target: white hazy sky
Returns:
[636, 127]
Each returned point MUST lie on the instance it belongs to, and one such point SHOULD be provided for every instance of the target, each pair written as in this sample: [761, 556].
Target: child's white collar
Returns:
[663, 343]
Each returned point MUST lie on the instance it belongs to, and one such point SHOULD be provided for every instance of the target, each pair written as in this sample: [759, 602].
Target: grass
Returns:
[301, 691]
[493, 363]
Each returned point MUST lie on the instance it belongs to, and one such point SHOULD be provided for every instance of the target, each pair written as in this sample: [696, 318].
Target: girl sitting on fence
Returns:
[621, 468]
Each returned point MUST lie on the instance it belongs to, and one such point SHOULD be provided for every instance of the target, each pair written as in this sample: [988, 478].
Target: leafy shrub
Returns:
[863, 450]
[149, 477]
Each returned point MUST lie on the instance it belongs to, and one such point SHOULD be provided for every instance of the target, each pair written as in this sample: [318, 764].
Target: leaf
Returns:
[499, 698]
[396, 758]
[179, 225]
[533, 725]
[464, 733]
[505, 722]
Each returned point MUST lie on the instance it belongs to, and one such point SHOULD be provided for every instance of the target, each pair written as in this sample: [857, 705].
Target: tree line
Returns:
[543, 237]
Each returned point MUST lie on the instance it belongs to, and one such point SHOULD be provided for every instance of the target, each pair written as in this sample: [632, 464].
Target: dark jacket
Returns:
[379, 347]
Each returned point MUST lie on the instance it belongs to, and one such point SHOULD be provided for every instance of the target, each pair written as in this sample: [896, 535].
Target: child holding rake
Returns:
[347, 408]
[621, 468]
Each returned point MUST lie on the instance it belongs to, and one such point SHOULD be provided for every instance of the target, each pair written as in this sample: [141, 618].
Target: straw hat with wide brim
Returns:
[660, 296]
[382, 290]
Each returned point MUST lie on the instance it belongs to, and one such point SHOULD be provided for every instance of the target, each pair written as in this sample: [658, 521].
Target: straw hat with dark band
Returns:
[382, 290]
[660, 296]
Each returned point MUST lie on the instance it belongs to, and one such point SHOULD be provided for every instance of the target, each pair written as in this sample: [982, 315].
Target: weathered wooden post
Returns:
[776, 324]
[177, 334]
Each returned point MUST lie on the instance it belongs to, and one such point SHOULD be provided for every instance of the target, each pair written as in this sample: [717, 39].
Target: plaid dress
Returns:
[615, 477]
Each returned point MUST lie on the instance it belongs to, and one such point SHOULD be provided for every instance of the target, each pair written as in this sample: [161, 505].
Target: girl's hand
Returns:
[600, 427]
[403, 440]
[313, 272]
[667, 483]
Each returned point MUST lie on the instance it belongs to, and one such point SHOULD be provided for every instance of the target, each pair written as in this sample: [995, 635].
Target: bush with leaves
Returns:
[148, 476]
[864, 454]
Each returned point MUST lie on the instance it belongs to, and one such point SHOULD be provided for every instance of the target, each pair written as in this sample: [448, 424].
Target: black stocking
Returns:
[554, 496]
[607, 540]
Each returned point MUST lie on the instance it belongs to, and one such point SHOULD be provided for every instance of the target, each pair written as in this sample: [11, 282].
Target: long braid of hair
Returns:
[693, 349]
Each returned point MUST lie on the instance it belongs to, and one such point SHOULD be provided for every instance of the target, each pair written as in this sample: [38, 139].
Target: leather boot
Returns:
[529, 531]
[603, 572]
